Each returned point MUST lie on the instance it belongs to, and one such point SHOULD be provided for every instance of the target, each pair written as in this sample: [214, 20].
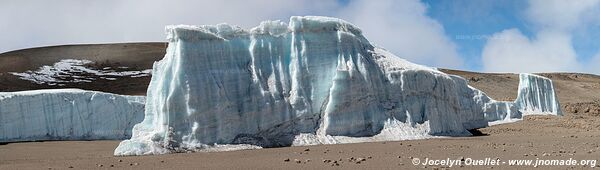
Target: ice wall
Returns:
[501, 110]
[315, 76]
[536, 95]
[67, 114]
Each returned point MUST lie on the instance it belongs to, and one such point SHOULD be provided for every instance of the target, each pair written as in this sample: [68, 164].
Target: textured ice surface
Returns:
[536, 95]
[316, 80]
[76, 71]
[67, 114]
[393, 130]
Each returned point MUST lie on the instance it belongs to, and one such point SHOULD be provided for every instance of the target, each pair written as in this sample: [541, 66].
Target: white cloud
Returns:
[404, 28]
[551, 49]
[399, 26]
[514, 52]
[559, 14]
[28, 23]
[593, 66]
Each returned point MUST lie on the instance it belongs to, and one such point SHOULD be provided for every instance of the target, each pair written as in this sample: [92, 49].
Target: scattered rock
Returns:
[474, 79]
[306, 150]
[286, 160]
[70, 166]
[297, 161]
[120, 160]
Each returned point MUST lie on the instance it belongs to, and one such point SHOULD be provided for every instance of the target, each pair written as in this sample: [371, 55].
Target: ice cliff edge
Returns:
[315, 76]
[67, 114]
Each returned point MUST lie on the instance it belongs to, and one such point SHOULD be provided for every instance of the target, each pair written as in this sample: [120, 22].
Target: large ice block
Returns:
[537, 95]
[278, 82]
[67, 114]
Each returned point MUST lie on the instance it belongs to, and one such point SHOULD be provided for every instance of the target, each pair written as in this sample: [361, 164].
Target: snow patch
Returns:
[76, 71]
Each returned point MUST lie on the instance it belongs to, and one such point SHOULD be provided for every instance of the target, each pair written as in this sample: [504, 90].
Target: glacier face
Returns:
[278, 83]
[67, 114]
[536, 95]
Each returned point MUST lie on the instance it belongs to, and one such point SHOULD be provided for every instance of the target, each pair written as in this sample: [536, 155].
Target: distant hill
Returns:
[108, 58]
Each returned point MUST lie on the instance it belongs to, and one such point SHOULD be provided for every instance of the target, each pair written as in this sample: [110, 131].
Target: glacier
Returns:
[536, 95]
[67, 114]
[314, 80]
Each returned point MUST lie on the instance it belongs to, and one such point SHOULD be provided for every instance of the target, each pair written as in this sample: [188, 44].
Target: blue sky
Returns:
[470, 22]
[476, 35]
